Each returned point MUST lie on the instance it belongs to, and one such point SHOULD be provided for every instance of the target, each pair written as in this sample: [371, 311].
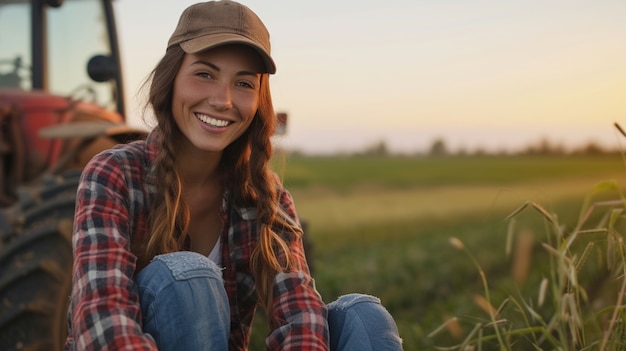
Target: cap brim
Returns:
[206, 42]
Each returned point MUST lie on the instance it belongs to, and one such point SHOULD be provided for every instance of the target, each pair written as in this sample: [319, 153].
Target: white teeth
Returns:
[212, 121]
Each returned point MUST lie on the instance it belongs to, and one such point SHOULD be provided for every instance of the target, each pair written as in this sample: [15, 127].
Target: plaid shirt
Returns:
[110, 227]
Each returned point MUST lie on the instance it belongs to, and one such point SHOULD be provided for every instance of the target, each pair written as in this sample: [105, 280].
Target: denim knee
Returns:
[189, 264]
[176, 266]
[361, 322]
[183, 302]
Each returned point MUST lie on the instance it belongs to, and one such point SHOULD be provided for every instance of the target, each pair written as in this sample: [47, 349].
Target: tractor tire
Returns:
[36, 265]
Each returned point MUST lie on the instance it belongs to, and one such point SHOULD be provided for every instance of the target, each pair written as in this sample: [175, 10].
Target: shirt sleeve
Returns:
[105, 313]
[299, 316]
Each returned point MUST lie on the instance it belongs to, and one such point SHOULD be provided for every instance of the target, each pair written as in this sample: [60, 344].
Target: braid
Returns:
[169, 215]
[271, 255]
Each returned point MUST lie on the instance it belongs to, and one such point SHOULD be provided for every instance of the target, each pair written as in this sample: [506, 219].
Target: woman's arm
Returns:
[105, 310]
[299, 316]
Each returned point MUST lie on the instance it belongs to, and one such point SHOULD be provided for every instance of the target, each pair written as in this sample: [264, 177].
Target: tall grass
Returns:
[578, 303]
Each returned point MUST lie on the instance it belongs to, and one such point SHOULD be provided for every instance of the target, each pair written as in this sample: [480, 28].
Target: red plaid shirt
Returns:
[110, 224]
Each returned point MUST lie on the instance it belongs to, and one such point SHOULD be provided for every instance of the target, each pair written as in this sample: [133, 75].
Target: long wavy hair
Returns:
[250, 181]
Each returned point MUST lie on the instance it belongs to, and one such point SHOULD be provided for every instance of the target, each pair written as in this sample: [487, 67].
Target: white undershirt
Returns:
[215, 253]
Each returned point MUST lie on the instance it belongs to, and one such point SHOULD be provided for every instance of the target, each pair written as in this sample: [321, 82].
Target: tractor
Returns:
[61, 102]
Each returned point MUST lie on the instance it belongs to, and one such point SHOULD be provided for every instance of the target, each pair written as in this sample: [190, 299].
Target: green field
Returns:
[382, 225]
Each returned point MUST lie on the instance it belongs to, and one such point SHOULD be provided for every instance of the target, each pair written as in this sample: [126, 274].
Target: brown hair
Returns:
[250, 180]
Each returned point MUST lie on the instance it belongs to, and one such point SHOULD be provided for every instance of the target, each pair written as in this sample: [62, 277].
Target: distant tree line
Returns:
[439, 148]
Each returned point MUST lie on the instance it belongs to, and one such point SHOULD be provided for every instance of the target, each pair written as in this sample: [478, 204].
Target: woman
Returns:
[178, 238]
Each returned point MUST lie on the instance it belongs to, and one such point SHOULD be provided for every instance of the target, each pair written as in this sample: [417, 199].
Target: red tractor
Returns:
[61, 102]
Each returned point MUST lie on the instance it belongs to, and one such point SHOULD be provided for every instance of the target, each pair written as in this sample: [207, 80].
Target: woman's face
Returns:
[216, 95]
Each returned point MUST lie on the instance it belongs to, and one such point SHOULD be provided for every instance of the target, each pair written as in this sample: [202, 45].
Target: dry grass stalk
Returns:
[543, 290]
[453, 327]
[523, 256]
[486, 306]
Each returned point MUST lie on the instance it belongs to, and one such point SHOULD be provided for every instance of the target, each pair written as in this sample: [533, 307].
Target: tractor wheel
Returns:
[36, 265]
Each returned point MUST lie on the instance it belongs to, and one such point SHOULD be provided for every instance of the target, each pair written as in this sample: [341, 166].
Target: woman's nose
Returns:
[220, 97]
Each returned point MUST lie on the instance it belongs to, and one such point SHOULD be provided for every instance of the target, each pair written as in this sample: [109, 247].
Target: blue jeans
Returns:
[185, 307]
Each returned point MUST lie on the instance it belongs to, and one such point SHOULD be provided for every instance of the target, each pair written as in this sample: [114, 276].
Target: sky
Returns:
[485, 74]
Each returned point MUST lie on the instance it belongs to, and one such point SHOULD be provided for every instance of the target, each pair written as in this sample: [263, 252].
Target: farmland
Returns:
[382, 226]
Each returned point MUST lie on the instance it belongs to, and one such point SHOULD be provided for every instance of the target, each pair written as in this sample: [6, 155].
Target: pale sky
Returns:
[479, 74]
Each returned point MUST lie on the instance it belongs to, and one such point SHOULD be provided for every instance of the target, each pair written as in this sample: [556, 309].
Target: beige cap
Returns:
[209, 24]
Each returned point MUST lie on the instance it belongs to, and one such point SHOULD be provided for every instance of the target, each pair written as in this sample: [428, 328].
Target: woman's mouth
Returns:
[213, 122]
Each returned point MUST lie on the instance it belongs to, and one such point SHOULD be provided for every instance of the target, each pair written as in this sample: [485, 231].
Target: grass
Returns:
[579, 298]
[342, 173]
[383, 227]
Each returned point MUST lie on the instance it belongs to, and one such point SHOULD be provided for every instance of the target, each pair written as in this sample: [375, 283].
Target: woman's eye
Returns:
[245, 84]
[204, 74]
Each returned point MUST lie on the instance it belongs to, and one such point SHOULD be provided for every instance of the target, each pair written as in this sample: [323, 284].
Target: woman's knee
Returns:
[361, 320]
[182, 293]
[360, 305]
[178, 270]
[177, 266]
[184, 265]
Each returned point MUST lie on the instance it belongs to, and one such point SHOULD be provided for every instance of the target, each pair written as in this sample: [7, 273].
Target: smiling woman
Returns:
[180, 237]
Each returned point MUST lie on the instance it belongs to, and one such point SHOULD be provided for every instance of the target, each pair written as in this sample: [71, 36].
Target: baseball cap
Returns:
[210, 24]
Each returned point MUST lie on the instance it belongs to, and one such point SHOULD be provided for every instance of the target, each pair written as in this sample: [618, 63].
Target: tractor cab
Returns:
[61, 89]
[67, 48]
